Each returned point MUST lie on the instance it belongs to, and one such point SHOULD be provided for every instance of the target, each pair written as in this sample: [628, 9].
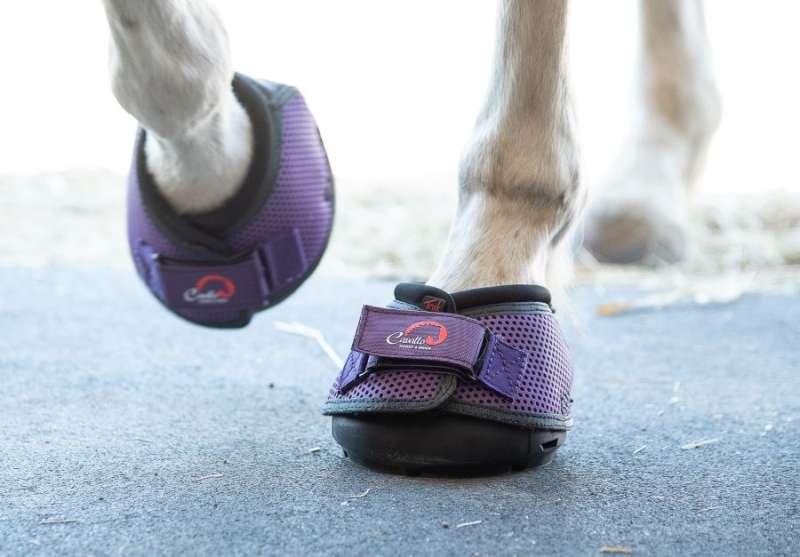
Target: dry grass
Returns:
[392, 231]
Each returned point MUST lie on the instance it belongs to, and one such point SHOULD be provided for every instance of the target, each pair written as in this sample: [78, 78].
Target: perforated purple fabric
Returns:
[543, 388]
[404, 385]
[301, 196]
[301, 206]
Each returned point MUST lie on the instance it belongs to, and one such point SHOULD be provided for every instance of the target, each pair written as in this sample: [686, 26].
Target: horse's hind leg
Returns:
[639, 215]
[519, 189]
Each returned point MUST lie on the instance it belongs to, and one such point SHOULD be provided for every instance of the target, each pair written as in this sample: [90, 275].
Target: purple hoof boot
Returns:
[438, 382]
[219, 268]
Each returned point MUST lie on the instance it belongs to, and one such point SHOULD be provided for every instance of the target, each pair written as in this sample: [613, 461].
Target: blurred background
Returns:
[395, 89]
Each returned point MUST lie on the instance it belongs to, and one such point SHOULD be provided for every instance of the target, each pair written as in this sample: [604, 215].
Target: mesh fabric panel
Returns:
[545, 382]
[403, 385]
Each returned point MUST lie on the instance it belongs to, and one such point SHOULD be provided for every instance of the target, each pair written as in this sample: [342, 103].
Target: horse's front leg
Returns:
[519, 188]
[640, 212]
[171, 69]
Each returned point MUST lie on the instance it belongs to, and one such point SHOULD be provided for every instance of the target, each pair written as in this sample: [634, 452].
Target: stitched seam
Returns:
[447, 387]
[440, 391]
[519, 418]
[519, 358]
[491, 358]
[427, 314]
[510, 308]
[511, 412]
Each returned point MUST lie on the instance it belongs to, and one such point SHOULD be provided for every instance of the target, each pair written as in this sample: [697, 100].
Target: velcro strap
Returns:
[393, 339]
[240, 285]
[243, 283]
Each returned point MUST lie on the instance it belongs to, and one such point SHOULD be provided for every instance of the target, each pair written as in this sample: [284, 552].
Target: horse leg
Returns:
[171, 70]
[640, 214]
[519, 190]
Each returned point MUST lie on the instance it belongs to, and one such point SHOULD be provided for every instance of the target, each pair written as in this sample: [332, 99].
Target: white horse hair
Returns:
[519, 195]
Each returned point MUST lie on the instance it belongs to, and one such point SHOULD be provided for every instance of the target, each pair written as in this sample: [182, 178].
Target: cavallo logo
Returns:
[414, 335]
[210, 289]
[432, 303]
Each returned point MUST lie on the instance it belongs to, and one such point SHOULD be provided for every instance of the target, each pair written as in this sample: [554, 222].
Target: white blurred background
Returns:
[395, 88]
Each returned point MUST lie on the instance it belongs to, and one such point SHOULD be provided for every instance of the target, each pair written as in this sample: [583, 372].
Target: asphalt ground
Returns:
[126, 431]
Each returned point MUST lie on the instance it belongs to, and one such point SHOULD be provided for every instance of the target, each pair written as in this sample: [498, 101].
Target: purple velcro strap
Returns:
[502, 366]
[417, 335]
[394, 339]
[352, 371]
[240, 285]
[285, 259]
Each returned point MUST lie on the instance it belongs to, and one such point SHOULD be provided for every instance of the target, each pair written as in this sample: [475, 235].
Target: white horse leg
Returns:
[171, 70]
[519, 189]
[640, 213]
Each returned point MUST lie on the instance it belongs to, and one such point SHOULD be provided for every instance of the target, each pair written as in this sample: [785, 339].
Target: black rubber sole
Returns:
[442, 444]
